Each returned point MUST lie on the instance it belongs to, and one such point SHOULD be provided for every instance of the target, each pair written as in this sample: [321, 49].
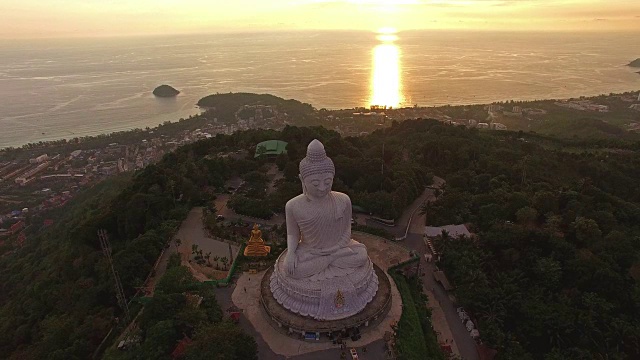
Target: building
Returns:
[24, 178]
[532, 111]
[271, 148]
[39, 159]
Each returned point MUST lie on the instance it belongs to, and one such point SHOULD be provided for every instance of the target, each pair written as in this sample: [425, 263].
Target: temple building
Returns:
[256, 246]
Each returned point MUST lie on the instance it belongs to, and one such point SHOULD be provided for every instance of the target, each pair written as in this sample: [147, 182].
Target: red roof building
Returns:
[181, 348]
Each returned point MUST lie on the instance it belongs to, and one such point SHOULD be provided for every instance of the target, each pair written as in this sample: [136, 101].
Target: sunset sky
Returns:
[73, 18]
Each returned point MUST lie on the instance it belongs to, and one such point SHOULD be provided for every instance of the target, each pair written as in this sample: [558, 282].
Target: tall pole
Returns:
[384, 133]
[106, 250]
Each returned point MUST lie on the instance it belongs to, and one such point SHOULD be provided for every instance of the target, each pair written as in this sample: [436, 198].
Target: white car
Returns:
[354, 354]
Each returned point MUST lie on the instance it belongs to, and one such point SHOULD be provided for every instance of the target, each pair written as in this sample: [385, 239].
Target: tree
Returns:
[527, 215]
[177, 242]
[222, 341]
[545, 202]
[176, 281]
[160, 339]
[587, 231]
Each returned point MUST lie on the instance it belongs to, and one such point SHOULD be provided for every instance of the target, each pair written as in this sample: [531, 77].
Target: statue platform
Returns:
[247, 296]
[297, 325]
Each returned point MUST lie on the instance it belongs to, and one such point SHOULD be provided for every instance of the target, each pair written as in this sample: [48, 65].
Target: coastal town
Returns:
[40, 177]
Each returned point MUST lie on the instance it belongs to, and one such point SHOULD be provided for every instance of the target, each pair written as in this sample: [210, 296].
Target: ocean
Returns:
[52, 89]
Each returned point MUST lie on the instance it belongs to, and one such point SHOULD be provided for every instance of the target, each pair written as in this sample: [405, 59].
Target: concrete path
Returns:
[445, 318]
[192, 232]
[413, 210]
[375, 350]
[246, 296]
[444, 315]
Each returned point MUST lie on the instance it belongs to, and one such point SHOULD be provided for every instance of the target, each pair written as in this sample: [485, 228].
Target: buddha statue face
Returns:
[317, 186]
[316, 172]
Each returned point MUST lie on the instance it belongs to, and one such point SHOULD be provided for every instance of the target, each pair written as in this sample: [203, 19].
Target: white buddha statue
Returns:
[323, 273]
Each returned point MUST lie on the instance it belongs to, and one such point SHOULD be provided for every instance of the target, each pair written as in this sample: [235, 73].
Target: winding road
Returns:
[444, 315]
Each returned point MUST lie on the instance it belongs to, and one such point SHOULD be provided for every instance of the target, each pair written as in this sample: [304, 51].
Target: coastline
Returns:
[63, 134]
[200, 111]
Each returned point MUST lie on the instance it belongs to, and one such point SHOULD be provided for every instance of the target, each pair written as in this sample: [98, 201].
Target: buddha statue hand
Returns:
[290, 262]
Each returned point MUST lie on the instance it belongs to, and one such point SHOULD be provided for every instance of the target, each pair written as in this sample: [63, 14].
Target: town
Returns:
[44, 176]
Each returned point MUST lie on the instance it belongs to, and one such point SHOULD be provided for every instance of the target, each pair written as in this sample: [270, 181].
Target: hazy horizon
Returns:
[76, 18]
[310, 31]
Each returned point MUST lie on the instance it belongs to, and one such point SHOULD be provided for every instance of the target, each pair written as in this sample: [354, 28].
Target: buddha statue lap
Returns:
[323, 273]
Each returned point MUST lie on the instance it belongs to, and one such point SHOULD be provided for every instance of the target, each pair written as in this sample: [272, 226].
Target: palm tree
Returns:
[194, 249]
[177, 243]
[208, 257]
[224, 262]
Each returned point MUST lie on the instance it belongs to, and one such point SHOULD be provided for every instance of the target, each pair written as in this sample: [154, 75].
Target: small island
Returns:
[634, 63]
[165, 91]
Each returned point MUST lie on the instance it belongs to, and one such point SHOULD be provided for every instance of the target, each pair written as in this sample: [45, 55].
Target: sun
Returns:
[385, 2]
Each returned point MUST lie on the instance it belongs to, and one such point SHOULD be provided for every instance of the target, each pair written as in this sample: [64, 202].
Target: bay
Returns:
[52, 89]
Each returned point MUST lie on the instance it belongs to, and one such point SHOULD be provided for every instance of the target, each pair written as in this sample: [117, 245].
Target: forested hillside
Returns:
[56, 297]
[227, 104]
[554, 271]
[552, 274]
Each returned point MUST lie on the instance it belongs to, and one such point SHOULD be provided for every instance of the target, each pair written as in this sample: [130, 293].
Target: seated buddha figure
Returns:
[322, 263]
[256, 246]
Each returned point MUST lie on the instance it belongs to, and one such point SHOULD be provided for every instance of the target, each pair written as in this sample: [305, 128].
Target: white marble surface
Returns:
[324, 273]
[246, 296]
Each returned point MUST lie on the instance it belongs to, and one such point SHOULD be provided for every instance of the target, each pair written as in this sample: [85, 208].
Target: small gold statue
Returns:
[255, 245]
[339, 299]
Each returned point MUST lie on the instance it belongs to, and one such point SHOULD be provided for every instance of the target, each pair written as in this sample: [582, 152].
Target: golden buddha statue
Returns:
[256, 246]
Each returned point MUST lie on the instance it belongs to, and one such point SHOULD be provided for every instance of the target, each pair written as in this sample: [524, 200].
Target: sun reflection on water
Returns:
[385, 77]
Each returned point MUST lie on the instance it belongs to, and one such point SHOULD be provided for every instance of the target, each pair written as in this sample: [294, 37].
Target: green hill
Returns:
[226, 105]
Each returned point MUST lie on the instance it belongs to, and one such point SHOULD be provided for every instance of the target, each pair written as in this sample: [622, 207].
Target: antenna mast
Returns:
[106, 250]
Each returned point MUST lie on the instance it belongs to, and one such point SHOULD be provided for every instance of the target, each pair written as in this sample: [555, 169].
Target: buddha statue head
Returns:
[256, 234]
[316, 172]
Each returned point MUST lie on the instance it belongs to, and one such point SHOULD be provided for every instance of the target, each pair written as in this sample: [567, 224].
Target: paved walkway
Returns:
[411, 212]
[192, 232]
[375, 350]
[246, 296]
[445, 319]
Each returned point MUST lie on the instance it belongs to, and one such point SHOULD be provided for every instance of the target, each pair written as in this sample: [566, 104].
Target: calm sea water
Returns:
[54, 89]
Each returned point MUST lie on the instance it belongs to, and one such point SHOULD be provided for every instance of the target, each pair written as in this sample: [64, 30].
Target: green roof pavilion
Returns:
[271, 148]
